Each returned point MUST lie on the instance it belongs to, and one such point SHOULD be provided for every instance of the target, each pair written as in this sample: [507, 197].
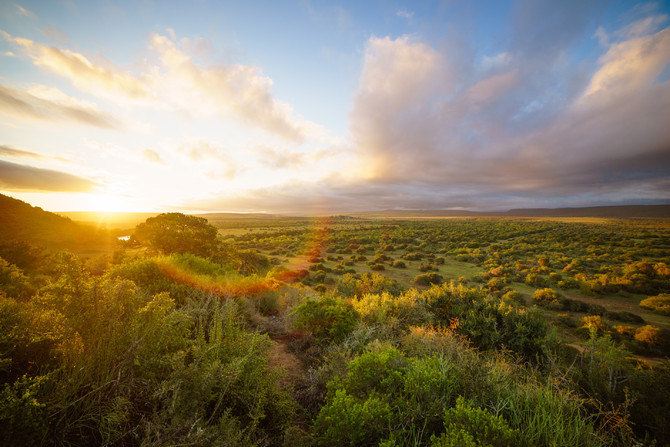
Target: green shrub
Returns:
[512, 296]
[351, 422]
[594, 324]
[466, 425]
[326, 318]
[426, 279]
[412, 394]
[547, 297]
[408, 392]
[369, 282]
[13, 282]
[405, 309]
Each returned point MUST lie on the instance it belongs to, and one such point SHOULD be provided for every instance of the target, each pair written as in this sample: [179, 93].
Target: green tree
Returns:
[177, 233]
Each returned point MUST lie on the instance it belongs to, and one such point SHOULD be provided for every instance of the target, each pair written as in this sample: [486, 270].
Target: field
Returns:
[248, 330]
[597, 261]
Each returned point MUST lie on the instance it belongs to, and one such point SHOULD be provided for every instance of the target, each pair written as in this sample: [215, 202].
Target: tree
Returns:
[177, 233]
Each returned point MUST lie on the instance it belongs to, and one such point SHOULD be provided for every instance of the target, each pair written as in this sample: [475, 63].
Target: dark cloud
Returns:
[24, 104]
[9, 151]
[517, 133]
[15, 176]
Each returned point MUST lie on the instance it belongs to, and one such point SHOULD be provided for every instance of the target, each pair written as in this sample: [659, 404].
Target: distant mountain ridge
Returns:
[615, 211]
[596, 211]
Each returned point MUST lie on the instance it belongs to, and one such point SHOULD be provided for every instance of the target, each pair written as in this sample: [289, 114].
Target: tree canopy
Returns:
[177, 233]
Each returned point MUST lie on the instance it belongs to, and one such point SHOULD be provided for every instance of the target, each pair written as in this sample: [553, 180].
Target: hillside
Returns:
[21, 222]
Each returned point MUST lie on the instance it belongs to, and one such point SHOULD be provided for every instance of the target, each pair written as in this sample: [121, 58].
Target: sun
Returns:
[106, 203]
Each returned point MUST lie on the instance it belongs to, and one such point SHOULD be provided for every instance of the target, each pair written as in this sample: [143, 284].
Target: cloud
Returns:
[152, 155]
[395, 100]
[24, 12]
[517, 136]
[280, 159]
[631, 65]
[236, 89]
[85, 74]
[405, 14]
[51, 105]
[8, 151]
[643, 26]
[496, 61]
[55, 34]
[15, 176]
[489, 88]
[219, 163]
[545, 28]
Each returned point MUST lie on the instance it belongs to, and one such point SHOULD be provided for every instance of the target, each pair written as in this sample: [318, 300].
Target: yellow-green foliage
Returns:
[659, 303]
[95, 360]
[13, 282]
[405, 309]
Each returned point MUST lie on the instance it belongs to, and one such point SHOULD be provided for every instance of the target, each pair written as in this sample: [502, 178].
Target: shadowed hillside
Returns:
[21, 222]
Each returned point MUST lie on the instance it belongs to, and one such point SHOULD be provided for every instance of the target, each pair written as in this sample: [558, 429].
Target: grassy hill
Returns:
[21, 222]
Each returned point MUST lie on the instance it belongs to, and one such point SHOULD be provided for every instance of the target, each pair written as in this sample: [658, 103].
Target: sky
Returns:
[317, 106]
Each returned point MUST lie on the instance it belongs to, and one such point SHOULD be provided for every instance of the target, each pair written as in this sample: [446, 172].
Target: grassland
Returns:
[342, 330]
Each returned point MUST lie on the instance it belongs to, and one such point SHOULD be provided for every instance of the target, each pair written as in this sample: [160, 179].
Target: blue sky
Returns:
[309, 106]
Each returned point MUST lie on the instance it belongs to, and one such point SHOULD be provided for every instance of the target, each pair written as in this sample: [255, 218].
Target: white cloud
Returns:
[238, 89]
[405, 14]
[496, 61]
[24, 12]
[91, 77]
[50, 104]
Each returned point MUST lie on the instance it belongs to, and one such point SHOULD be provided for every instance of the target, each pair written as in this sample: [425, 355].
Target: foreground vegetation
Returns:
[340, 331]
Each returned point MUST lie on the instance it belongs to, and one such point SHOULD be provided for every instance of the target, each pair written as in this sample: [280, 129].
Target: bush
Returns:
[414, 400]
[112, 365]
[653, 339]
[406, 392]
[625, 317]
[327, 318]
[426, 267]
[547, 297]
[512, 296]
[466, 425]
[393, 311]
[350, 422]
[427, 279]
[369, 282]
[594, 324]
[659, 304]
[13, 282]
